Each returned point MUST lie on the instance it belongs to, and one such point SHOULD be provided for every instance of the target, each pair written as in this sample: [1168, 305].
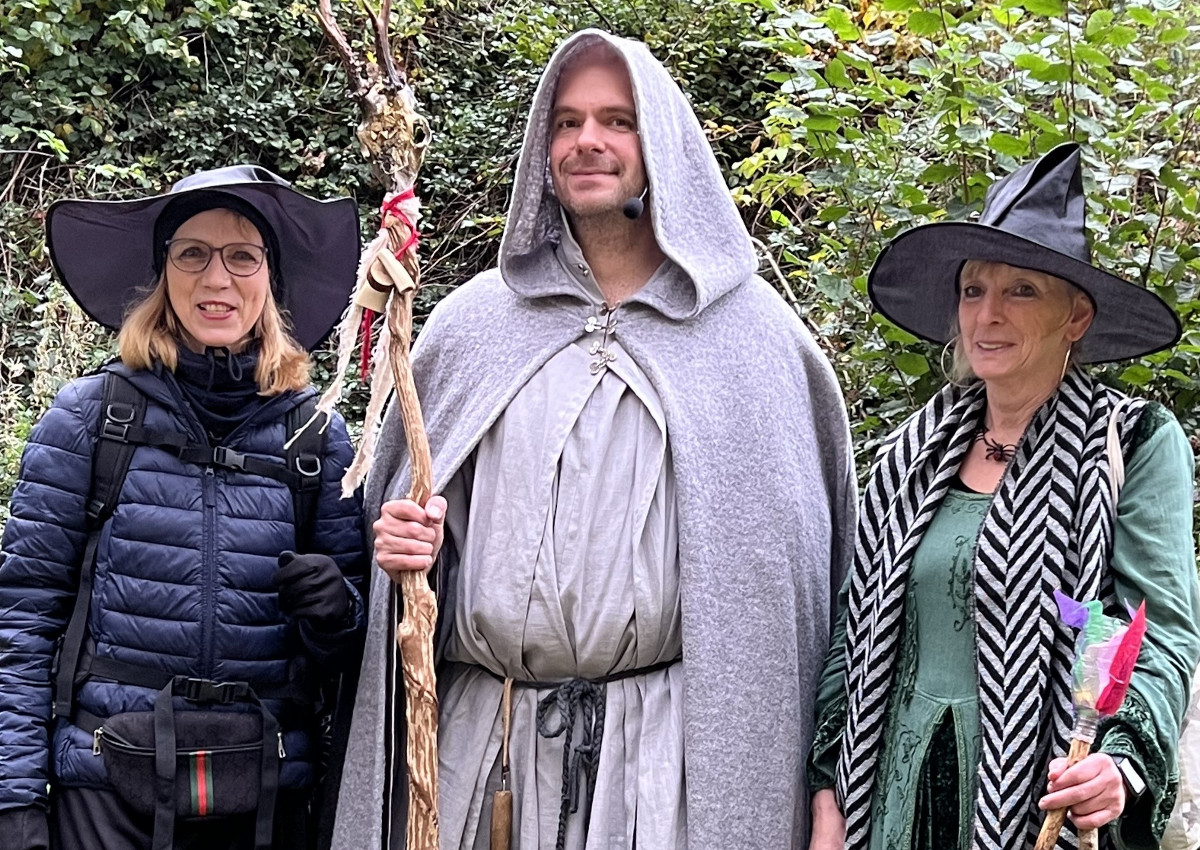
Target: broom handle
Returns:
[1055, 818]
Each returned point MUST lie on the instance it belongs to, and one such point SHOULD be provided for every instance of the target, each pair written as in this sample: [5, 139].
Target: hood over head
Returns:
[695, 221]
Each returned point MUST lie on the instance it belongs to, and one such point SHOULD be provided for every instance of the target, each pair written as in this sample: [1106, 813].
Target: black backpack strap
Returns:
[122, 411]
[121, 429]
[122, 408]
[305, 448]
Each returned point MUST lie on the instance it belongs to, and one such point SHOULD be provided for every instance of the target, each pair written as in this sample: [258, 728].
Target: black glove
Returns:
[311, 588]
[26, 828]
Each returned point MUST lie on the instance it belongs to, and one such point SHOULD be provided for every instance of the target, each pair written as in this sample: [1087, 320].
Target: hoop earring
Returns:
[1066, 364]
[946, 373]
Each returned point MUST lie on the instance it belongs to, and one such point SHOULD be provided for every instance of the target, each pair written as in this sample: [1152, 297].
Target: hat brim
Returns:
[103, 252]
[914, 284]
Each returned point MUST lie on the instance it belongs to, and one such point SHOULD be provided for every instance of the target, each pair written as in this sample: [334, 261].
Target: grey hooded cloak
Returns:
[760, 450]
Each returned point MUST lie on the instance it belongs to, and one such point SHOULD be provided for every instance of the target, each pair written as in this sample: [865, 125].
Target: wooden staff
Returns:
[1053, 823]
[394, 137]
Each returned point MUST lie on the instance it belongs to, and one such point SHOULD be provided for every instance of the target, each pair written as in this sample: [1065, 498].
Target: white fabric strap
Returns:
[1116, 461]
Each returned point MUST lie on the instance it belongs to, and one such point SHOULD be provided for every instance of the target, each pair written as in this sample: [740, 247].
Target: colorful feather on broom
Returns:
[1106, 651]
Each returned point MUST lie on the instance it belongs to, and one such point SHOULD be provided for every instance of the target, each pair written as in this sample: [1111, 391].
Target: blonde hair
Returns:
[960, 373]
[151, 331]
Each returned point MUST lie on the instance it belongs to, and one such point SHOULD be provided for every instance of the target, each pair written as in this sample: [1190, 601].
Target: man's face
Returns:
[595, 151]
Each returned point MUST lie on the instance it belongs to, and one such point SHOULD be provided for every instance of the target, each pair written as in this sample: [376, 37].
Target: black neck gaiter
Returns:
[221, 387]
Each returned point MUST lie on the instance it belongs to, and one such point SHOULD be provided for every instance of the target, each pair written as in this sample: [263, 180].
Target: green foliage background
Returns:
[839, 126]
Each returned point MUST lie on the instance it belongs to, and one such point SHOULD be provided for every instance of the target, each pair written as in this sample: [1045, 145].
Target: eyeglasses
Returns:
[241, 259]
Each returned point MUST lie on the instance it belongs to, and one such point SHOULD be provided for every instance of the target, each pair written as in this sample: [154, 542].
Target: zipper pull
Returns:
[282, 752]
[96, 741]
[210, 478]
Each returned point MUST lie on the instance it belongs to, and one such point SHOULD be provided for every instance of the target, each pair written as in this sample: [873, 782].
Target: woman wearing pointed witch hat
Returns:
[173, 579]
[947, 692]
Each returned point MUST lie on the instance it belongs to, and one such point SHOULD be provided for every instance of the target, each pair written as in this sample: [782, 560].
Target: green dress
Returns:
[926, 794]
[936, 693]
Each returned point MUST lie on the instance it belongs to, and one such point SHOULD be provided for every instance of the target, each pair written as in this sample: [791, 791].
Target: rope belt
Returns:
[569, 700]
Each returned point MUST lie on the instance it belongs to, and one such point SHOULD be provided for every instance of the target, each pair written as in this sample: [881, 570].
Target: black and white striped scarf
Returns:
[1049, 527]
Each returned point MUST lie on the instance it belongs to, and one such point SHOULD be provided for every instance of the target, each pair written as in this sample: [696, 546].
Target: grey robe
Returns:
[567, 523]
[761, 452]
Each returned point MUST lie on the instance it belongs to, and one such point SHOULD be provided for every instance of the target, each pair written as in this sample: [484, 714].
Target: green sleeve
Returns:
[831, 704]
[1153, 559]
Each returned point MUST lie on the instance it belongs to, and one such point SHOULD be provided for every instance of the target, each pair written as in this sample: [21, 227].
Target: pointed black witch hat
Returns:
[1034, 219]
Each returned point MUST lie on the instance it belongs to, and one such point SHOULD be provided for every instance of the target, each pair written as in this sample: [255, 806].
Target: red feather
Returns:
[1122, 667]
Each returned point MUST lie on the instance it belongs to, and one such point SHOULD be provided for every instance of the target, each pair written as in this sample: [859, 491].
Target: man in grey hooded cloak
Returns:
[649, 504]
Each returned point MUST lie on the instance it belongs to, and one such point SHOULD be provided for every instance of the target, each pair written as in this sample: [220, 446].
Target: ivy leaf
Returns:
[838, 20]
[1009, 145]
[856, 59]
[1098, 23]
[1171, 180]
[1137, 375]
[1122, 36]
[1141, 16]
[835, 74]
[1160, 92]
[1042, 69]
[1172, 35]
[834, 287]
[1090, 56]
[939, 173]
[822, 123]
[913, 364]
[1049, 8]
[924, 23]
[1031, 62]
[899, 335]
[833, 213]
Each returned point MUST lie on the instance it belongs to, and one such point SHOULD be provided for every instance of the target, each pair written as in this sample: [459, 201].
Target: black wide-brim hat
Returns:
[104, 251]
[1035, 219]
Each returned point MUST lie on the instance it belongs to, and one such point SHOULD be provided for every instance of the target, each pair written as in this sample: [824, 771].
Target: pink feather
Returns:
[1122, 665]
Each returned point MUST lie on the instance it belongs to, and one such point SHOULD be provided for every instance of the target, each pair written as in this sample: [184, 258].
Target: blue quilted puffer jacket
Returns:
[182, 578]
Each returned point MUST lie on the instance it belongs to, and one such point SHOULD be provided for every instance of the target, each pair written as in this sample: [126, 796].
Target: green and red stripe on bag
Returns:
[218, 761]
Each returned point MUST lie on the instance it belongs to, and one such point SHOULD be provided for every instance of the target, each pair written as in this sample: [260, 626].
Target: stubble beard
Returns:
[601, 224]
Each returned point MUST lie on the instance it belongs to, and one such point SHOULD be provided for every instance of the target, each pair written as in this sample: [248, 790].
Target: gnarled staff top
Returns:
[393, 134]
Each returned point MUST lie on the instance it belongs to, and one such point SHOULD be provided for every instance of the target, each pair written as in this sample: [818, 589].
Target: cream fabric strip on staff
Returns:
[565, 519]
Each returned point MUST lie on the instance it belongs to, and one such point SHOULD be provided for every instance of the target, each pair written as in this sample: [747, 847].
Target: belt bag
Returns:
[195, 763]
[218, 761]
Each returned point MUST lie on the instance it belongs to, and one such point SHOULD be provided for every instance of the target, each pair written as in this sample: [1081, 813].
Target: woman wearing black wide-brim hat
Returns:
[948, 694]
[178, 573]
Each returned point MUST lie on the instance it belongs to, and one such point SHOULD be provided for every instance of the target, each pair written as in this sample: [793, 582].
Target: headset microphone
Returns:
[634, 207]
